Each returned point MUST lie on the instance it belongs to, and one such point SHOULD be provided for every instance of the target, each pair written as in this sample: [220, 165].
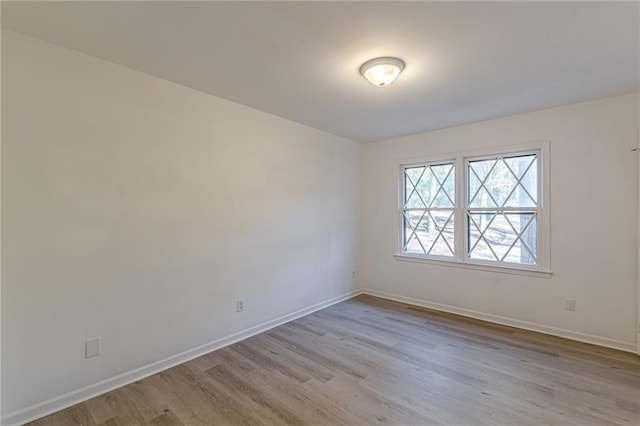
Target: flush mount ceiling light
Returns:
[382, 71]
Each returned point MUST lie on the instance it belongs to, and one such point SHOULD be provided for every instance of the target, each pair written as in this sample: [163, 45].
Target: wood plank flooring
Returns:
[370, 361]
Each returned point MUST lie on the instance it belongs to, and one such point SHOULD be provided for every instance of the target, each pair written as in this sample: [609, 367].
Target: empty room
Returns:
[320, 213]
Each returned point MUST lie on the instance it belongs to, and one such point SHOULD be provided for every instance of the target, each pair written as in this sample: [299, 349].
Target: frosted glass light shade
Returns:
[382, 71]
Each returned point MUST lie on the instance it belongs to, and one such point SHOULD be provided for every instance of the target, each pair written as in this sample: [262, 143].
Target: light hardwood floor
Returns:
[370, 361]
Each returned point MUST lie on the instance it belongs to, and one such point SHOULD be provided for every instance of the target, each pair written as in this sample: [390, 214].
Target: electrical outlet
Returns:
[92, 347]
[353, 274]
[570, 304]
[239, 305]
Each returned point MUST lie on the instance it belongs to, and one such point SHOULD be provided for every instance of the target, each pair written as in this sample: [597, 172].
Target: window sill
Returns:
[479, 267]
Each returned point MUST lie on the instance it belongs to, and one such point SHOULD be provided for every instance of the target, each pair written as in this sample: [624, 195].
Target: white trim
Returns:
[512, 322]
[61, 402]
[476, 265]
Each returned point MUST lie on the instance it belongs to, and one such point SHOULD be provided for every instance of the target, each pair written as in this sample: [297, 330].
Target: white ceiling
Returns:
[465, 61]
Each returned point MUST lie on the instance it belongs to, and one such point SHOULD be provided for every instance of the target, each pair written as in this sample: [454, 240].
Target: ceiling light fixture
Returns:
[382, 71]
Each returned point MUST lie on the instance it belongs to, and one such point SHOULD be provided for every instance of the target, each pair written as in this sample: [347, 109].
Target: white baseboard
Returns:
[52, 405]
[567, 334]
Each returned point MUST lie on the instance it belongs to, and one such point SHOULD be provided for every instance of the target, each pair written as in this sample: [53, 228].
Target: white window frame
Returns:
[542, 268]
[403, 197]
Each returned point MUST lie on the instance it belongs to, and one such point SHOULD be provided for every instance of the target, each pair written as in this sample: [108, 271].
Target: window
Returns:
[428, 211]
[483, 209]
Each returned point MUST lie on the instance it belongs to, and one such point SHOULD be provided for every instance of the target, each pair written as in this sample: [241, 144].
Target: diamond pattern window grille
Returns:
[503, 182]
[430, 186]
[501, 214]
[503, 237]
[494, 219]
[428, 210]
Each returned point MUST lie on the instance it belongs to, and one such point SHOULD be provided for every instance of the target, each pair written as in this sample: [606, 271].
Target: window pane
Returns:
[525, 169]
[430, 186]
[507, 237]
[503, 182]
[477, 173]
[429, 232]
[412, 178]
[443, 189]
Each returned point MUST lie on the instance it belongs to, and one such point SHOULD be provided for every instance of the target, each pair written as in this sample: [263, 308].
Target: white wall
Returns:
[638, 260]
[0, 231]
[594, 222]
[138, 210]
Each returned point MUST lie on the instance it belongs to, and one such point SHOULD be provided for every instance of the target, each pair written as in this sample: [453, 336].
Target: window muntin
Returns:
[482, 209]
[428, 209]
